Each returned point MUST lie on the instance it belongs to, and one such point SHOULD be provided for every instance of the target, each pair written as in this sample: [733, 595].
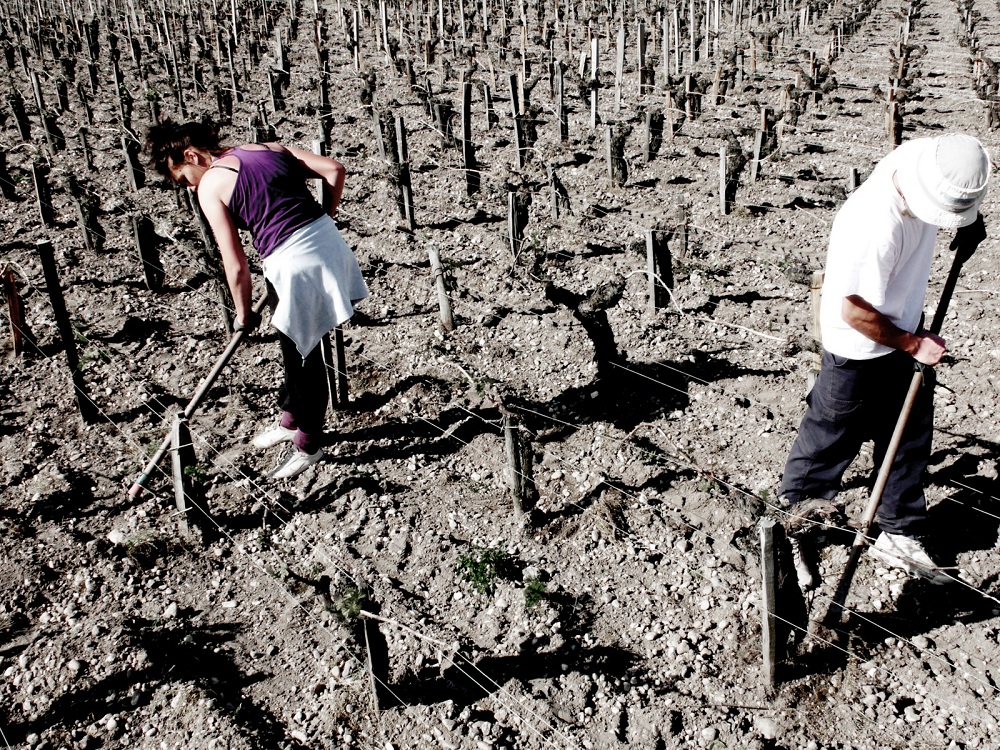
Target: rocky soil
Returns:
[624, 608]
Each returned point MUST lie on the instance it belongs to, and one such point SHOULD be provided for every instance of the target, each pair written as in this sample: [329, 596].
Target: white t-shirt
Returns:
[879, 252]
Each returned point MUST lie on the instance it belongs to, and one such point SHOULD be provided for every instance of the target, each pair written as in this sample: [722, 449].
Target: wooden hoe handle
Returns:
[136, 489]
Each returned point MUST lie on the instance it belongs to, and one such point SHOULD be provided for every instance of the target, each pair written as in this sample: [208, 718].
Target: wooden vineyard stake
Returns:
[359, 63]
[517, 220]
[853, 181]
[895, 118]
[559, 195]
[384, 23]
[560, 91]
[520, 472]
[405, 187]
[283, 67]
[692, 30]
[652, 135]
[386, 154]
[335, 359]
[617, 166]
[671, 116]
[53, 137]
[182, 463]
[274, 88]
[768, 530]
[133, 167]
[713, 100]
[149, 253]
[619, 67]
[645, 72]
[550, 69]
[325, 196]
[594, 83]
[689, 94]
[211, 262]
[40, 176]
[815, 297]
[343, 395]
[472, 175]
[758, 144]
[93, 237]
[6, 179]
[516, 116]
[522, 98]
[441, 286]
[659, 269]
[378, 669]
[723, 187]
[492, 119]
[665, 44]
[62, 94]
[19, 332]
[681, 233]
[122, 97]
[46, 254]
[16, 104]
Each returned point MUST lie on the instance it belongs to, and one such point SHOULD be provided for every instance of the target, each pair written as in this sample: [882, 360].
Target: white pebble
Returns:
[767, 728]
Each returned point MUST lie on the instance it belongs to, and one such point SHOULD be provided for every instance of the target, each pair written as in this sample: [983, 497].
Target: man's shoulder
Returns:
[867, 218]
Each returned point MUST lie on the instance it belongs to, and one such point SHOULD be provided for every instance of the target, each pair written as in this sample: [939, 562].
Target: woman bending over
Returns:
[262, 188]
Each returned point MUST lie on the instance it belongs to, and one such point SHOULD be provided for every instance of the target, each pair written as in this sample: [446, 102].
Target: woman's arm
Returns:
[234, 259]
[331, 171]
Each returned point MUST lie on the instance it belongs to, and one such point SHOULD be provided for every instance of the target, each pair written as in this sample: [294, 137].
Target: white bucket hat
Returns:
[945, 181]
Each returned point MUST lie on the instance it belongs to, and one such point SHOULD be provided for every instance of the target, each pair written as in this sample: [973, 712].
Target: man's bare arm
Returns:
[860, 315]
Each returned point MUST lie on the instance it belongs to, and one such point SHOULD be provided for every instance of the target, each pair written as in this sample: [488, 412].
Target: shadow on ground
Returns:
[188, 654]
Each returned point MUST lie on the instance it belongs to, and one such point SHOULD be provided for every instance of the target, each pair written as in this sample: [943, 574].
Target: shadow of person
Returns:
[178, 653]
[923, 607]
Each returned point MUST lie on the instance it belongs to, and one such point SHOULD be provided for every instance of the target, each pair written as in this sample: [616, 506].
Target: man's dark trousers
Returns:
[854, 401]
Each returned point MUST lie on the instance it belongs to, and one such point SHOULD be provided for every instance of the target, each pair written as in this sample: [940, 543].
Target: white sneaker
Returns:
[907, 554]
[295, 463]
[808, 580]
[273, 435]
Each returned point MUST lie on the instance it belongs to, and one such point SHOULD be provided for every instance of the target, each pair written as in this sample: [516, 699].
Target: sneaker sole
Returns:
[276, 473]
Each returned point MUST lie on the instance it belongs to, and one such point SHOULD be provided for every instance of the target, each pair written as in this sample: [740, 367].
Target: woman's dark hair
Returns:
[166, 142]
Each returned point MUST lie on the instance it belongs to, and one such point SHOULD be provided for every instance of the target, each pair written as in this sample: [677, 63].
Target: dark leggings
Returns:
[305, 391]
[854, 401]
[304, 394]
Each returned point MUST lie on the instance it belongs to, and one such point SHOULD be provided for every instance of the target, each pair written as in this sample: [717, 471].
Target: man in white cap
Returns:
[878, 264]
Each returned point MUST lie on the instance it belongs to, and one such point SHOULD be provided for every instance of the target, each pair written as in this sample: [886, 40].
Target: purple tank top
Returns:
[271, 198]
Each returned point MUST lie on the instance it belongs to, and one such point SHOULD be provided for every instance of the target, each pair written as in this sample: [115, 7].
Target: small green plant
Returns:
[196, 472]
[483, 566]
[709, 485]
[534, 593]
[91, 354]
[349, 605]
